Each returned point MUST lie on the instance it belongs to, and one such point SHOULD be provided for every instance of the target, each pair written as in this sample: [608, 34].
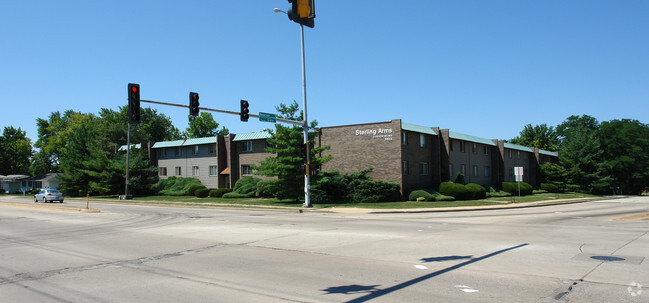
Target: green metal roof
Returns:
[252, 136]
[123, 147]
[418, 128]
[187, 142]
[459, 136]
[548, 153]
[518, 147]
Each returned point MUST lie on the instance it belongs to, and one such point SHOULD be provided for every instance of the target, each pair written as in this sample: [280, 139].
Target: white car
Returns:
[49, 195]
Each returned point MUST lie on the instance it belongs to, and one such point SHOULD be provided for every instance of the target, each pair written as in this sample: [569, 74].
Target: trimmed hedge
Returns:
[175, 186]
[455, 190]
[494, 193]
[267, 188]
[429, 195]
[244, 188]
[217, 193]
[550, 187]
[368, 191]
[512, 188]
[202, 192]
[477, 191]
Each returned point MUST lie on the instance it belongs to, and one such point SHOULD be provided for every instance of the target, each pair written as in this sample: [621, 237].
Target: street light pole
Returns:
[307, 187]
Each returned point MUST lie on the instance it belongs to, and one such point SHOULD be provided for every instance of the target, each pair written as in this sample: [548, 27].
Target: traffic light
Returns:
[302, 12]
[193, 104]
[303, 152]
[245, 112]
[133, 103]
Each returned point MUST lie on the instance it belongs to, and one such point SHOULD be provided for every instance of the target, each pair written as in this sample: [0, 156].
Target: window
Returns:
[162, 171]
[423, 168]
[474, 148]
[422, 140]
[450, 144]
[177, 151]
[475, 170]
[196, 149]
[213, 170]
[518, 155]
[485, 150]
[162, 152]
[178, 171]
[450, 169]
[246, 170]
[246, 146]
[462, 146]
[511, 153]
[486, 171]
[404, 168]
[404, 138]
[211, 149]
[511, 172]
[195, 171]
[463, 169]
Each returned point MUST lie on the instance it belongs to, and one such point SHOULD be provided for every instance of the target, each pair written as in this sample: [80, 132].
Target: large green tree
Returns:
[581, 154]
[625, 153]
[204, 126]
[540, 136]
[15, 152]
[286, 143]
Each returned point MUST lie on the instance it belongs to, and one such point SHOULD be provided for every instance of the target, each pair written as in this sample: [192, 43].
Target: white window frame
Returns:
[246, 170]
[214, 170]
[423, 142]
[178, 171]
[162, 171]
[196, 171]
[197, 150]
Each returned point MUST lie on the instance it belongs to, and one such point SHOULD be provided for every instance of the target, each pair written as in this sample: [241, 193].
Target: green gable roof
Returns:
[418, 128]
[187, 142]
[252, 136]
[463, 137]
[518, 147]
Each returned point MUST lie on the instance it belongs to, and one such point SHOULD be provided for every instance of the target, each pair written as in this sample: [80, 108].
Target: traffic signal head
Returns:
[303, 152]
[133, 103]
[245, 112]
[302, 12]
[193, 104]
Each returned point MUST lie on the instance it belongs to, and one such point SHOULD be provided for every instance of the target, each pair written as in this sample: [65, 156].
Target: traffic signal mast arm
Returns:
[222, 111]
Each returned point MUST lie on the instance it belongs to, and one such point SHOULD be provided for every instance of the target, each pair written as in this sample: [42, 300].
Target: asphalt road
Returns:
[566, 253]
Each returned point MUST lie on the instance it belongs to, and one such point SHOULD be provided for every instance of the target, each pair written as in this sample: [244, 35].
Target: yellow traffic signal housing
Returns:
[303, 8]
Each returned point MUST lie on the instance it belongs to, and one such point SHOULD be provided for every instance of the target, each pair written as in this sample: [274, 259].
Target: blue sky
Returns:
[484, 68]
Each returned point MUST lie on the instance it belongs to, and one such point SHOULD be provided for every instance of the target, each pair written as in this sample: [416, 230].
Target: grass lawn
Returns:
[263, 202]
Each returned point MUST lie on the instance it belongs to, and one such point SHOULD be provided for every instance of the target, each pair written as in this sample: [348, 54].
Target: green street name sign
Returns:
[266, 117]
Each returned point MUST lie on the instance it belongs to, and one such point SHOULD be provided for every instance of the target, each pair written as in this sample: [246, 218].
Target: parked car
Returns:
[49, 195]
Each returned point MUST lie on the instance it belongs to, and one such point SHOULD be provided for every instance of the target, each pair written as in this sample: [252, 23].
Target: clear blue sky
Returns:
[484, 68]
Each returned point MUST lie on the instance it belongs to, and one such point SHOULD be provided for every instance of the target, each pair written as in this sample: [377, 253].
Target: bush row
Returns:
[333, 187]
[459, 191]
[429, 195]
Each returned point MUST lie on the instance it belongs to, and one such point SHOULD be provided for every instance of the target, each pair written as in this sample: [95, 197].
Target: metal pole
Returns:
[307, 187]
[128, 151]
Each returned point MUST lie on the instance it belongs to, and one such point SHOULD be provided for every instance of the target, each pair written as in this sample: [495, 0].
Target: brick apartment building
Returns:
[413, 156]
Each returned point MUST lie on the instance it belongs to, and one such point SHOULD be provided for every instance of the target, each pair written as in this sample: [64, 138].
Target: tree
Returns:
[15, 151]
[581, 154]
[540, 136]
[285, 143]
[625, 146]
[51, 141]
[554, 174]
[204, 126]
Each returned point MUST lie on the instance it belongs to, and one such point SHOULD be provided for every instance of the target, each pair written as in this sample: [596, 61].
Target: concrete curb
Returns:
[62, 208]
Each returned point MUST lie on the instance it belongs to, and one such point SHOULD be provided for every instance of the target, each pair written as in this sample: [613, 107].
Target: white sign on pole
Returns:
[518, 172]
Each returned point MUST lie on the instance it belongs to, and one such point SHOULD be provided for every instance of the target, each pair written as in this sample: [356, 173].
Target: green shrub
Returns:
[34, 191]
[459, 178]
[549, 187]
[244, 188]
[496, 193]
[455, 190]
[420, 193]
[477, 191]
[267, 188]
[369, 191]
[202, 192]
[440, 197]
[512, 188]
[175, 186]
[573, 187]
[217, 193]
[191, 190]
